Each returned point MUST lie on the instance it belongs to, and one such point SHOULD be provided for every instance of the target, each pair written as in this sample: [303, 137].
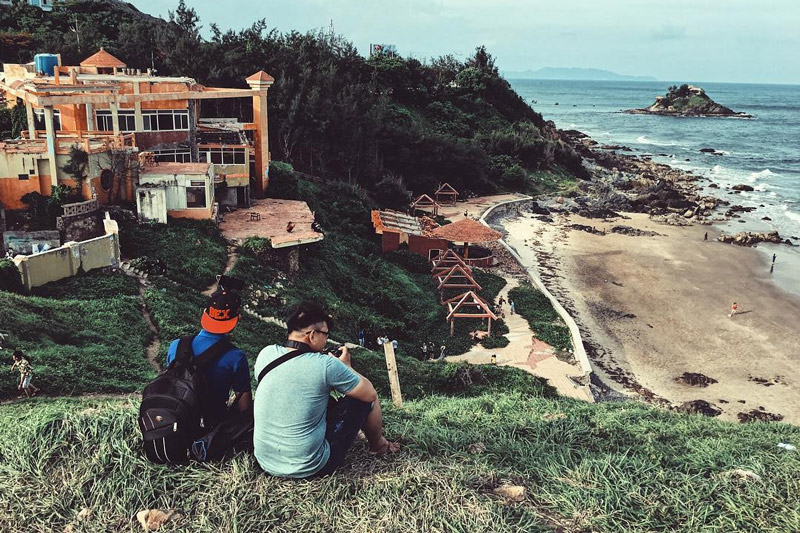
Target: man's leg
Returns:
[373, 429]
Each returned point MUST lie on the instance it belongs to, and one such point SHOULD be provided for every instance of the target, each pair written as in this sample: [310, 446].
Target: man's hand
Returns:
[344, 356]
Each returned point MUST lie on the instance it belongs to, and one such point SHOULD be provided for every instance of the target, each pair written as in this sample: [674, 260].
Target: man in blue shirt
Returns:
[229, 371]
[300, 431]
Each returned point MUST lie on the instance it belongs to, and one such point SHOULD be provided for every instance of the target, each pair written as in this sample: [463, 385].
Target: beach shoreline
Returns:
[651, 308]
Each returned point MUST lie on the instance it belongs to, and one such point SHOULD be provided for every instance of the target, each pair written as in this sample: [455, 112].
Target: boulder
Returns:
[747, 238]
[742, 187]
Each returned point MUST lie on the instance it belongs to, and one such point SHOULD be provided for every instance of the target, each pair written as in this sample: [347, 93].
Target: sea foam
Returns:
[755, 176]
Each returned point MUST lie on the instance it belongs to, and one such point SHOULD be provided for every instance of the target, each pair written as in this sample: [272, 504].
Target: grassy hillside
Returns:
[609, 467]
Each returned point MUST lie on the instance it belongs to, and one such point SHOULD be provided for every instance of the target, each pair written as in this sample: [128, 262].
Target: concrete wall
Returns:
[175, 189]
[71, 258]
[151, 204]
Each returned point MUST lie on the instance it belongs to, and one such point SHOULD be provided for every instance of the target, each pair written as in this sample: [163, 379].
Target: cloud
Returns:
[668, 32]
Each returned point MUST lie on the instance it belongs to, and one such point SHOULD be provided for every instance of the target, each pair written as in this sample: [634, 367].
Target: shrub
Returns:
[10, 278]
[536, 308]
[282, 181]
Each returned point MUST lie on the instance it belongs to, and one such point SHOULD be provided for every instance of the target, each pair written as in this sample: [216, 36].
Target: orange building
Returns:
[113, 113]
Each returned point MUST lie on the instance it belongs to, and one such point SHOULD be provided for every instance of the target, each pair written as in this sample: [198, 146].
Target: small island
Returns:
[687, 101]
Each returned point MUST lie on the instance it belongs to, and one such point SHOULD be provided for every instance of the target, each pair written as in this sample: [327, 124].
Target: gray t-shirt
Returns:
[290, 407]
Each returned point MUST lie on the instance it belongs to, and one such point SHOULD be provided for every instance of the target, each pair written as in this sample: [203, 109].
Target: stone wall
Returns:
[80, 221]
[22, 241]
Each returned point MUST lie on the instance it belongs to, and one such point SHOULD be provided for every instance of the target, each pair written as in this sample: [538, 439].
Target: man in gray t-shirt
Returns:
[300, 431]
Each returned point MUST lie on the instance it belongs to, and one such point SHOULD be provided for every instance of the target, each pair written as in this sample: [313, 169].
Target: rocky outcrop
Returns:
[742, 187]
[687, 101]
[747, 238]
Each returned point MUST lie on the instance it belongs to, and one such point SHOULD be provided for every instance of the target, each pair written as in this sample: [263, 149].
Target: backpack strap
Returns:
[184, 353]
[213, 352]
[282, 359]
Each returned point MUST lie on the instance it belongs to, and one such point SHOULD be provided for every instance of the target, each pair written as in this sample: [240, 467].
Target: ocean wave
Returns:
[790, 214]
[716, 169]
[642, 139]
[755, 176]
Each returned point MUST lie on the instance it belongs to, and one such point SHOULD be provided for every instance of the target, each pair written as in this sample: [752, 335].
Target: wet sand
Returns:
[654, 307]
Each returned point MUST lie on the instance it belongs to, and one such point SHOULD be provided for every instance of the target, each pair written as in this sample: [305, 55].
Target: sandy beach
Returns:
[654, 307]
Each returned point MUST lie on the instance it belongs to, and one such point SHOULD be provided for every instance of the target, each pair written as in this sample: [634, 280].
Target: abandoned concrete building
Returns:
[108, 109]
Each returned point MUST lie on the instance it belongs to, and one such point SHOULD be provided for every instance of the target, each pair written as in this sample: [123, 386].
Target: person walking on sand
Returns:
[734, 308]
[705, 237]
[25, 374]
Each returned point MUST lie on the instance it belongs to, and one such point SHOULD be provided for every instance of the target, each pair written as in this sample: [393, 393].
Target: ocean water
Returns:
[763, 152]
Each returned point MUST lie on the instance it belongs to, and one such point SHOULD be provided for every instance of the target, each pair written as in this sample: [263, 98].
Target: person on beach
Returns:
[774, 256]
[734, 308]
[300, 430]
[705, 237]
[25, 374]
[512, 306]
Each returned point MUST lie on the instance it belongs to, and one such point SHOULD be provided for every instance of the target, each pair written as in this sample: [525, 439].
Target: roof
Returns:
[446, 188]
[467, 230]
[102, 59]
[457, 277]
[260, 76]
[471, 300]
[175, 168]
[397, 222]
[273, 217]
[424, 201]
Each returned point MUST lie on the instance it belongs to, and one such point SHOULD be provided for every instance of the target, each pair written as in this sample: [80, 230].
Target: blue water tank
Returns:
[45, 63]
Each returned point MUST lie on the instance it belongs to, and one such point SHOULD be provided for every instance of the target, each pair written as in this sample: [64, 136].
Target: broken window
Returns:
[196, 194]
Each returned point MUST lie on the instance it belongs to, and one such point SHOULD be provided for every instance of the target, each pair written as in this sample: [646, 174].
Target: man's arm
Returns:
[243, 401]
[364, 391]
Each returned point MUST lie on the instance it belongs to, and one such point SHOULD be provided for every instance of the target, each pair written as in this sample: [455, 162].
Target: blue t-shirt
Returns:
[230, 371]
[290, 407]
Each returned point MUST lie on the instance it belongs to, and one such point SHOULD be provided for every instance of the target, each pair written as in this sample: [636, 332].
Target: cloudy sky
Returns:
[674, 40]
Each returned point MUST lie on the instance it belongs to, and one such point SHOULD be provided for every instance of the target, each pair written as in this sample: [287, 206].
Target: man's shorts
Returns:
[26, 381]
[343, 421]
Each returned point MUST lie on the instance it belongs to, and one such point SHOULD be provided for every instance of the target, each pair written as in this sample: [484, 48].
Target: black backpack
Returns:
[171, 413]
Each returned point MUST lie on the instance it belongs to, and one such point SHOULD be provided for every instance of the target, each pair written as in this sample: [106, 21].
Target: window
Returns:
[105, 122]
[38, 119]
[173, 156]
[107, 179]
[23, 177]
[166, 120]
[223, 155]
[196, 194]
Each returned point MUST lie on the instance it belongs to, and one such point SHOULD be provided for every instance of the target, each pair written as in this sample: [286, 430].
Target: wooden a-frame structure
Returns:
[446, 261]
[457, 277]
[426, 202]
[446, 194]
[468, 300]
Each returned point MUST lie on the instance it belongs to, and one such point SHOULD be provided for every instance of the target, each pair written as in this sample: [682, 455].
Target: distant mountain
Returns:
[572, 73]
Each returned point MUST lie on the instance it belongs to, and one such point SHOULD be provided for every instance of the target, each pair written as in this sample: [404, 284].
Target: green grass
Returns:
[77, 345]
[606, 468]
[95, 285]
[193, 251]
[544, 321]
